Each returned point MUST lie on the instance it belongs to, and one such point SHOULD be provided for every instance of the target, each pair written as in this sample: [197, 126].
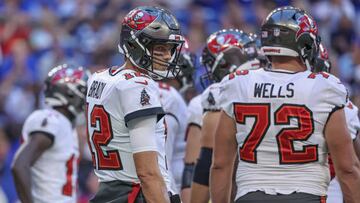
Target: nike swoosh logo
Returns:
[145, 82]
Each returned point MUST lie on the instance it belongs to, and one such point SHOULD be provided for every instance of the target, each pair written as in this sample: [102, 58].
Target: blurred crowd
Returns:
[37, 35]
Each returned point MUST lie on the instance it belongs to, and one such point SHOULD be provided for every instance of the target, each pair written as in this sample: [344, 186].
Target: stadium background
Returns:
[39, 34]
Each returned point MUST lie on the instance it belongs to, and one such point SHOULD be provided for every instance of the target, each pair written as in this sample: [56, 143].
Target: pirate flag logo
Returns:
[145, 98]
[306, 25]
[138, 19]
[211, 99]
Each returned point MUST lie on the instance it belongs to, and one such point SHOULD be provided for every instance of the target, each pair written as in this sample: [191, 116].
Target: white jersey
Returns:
[351, 113]
[54, 174]
[210, 98]
[175, 116]
[195, 111]
[114, 98]
[280, 120]
[352, 119]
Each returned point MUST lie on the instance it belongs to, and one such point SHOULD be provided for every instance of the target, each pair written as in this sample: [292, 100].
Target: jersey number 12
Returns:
[102, 136]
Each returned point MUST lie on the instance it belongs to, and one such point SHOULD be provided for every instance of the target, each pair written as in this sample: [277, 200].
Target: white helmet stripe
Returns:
[278, 51]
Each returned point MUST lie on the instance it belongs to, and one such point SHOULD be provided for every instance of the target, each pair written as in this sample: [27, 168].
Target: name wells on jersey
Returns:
[269, 90]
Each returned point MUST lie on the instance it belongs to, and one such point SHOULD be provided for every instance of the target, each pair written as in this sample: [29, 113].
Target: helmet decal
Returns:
[138, 19]
[219, 43]
[68, 75]
[306, 25]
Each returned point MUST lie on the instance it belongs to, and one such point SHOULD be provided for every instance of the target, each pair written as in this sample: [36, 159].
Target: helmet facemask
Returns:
[226, 62]
[186, 65]
[308, 50]
[142, 29]
[160, 68]
[225, 51]
[322, 62]
[210, 63]
[66, 87]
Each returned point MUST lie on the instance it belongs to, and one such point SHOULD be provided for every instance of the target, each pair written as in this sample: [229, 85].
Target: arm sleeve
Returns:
[142, 134]
[195, 111]
[210, 98]
[42, 122]
[336, 92]
[172, 132]
[225, 100]
[139, 98]
[352, 119]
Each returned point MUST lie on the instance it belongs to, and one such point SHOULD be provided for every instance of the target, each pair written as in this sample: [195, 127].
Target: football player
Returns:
[184, 80]
[45, 167]
[176, 113]
[323, 64]
[225, 52]
[192, 138]
[175, 116]
[125, 117]
[282, 122]
[187, 62]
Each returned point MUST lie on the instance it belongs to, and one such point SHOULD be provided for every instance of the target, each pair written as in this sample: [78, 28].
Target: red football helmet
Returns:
[142, 28]
[290, 31]
[66, 86]
[226, 51]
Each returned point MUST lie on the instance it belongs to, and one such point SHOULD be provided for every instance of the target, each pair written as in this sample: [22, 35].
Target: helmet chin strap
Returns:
[60, 101]
[160, 74]
[57, 100]
[305, 60]
[307, 64]
[216, 62]
[73, 111]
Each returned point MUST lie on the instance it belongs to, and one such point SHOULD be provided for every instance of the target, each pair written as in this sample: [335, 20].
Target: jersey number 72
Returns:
[286, 136]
